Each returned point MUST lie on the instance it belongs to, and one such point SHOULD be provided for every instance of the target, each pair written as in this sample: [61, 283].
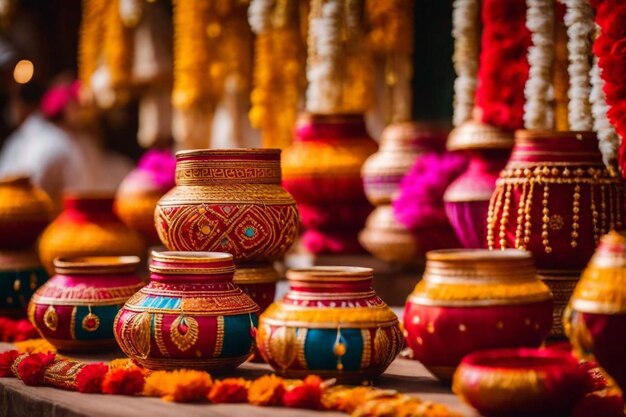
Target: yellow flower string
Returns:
[91, 37]
[118, 50]
[278, 73]
[390, 38]
[35, 346]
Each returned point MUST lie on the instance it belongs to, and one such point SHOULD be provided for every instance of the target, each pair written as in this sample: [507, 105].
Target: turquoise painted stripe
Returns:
[161, 302]
[319, 349]
[237, 337]
[105, 330]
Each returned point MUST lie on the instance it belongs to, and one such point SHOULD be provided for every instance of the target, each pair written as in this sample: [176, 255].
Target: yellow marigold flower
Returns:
[35, 346]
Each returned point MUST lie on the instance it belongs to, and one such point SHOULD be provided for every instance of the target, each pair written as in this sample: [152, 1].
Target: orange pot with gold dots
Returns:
[471, 300]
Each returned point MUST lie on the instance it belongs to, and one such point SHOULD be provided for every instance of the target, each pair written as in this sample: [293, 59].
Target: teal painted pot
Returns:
[330, 323]
[20, 275]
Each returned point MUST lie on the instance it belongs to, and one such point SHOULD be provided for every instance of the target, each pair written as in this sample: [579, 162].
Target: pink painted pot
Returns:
[75, 309]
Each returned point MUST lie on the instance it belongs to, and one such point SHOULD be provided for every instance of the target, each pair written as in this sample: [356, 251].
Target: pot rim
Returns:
[17, 179]
[539, 134]
[477, 255]
[499, 360]
[191, 257]
[330, 273]
[228, 152]
[96, 264]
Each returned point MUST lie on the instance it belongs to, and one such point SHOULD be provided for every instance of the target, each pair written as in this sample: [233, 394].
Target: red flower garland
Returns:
[6, 360]
[16, 330]
[610, 47]
[503, 67]
[308, 395]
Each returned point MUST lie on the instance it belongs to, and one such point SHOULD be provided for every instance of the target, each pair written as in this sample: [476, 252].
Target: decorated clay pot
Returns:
[21, 274]
[138, 194]
[596, 316]
[190, 315]
[470, 300]
[555, 198]
[521, 382]
[88, 227]
[229, 200]
[25, 211]
[322, 170]
[400, 145]
[388, 239]
[467, 198]
[75, 309]
[330, 323]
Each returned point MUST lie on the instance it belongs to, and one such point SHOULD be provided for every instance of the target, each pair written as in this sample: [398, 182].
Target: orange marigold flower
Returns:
[123, 381]
[157, 384]
[89, 379]
[346, 399]
[186, 385]
[267, 390]
[6, 360]
[306, 395]
[229, 390]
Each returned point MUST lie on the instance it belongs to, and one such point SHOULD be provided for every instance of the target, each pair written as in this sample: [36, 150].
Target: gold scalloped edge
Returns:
[332, 316]
[469, 292]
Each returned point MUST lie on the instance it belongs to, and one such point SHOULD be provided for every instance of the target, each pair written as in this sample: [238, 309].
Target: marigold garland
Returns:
[90, 40]
[117, 49]
[122, 377]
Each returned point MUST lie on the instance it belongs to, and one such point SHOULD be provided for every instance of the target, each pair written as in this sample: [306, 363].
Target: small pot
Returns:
[595, 320]
[75, 309]
[21, 274]
[190, 315]
[521, 382]
[330, 323]
[471, 300]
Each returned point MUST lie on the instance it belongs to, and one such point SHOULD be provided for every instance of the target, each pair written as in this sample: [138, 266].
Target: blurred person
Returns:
[55, 145]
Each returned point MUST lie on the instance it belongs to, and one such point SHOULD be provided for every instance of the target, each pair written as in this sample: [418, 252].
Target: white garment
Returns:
[57, 161]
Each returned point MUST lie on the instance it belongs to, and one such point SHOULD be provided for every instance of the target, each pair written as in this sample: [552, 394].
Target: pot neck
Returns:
[314, 127]
[191, 278]
[244, 166]
[555, 147]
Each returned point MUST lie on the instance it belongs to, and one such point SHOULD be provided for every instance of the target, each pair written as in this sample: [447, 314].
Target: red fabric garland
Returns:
[32, 368]
[503, 67]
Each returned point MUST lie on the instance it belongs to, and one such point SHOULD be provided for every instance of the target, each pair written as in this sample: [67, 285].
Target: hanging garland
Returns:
[338, 62]
[611, 53]
[539, 92]
[90, 40]
[117, 49]
[580, 26]
[504, 66]
[466, 32]
[390, 37]
[278, 69]
[123, 377]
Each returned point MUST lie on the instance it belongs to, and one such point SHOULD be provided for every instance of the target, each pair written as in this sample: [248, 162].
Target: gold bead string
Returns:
[545, 219]
[520, 217]
[606, 218]
[575, 216]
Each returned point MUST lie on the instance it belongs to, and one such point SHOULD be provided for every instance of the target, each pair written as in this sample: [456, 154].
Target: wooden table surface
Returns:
[19, 400]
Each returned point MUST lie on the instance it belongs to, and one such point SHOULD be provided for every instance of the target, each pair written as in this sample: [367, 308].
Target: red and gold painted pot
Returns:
[231, 200]
[400, 146]
[595, 319]
[330, 323]
[88, 227]
[322, 170]
[555, 198]
[521, 382]
[471, 300]
[190, 315]
[25, 211]
[75, 309]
